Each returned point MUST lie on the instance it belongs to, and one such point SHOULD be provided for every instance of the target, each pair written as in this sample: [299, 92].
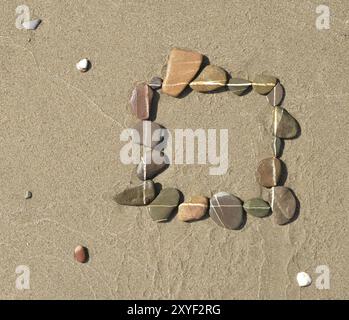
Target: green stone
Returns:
[139, 195]
[239, 86]
[162, 207]
[284, 125]
[211, 78]
[257, 207]
[263, 84]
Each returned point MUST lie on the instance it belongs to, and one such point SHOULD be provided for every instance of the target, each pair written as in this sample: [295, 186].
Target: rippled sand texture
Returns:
[59, 138]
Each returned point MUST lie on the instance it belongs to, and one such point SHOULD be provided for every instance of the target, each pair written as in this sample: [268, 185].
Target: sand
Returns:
[59, 138]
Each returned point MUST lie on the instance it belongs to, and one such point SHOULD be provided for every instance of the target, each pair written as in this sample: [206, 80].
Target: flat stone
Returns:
[257, 207]
[226, 210]
[269, 172]
[155, 83]
[210, 78]
[165, 203]
[277, 146]
[147, 133]
[283, 204]
[193, 209]
[81, 254]
[284, 125]
[276, 95]
[263, 84]
[139, 195]
[141, 99]
[182, 66]
[152, 163]
[239, 86]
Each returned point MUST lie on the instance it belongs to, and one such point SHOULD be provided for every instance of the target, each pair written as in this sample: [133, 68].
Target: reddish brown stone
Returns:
[182, 66]
[269, 172]
[81, 254]
[141, 99]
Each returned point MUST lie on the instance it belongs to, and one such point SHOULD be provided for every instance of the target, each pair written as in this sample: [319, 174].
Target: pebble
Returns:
[141, 98]
[210, 78]
[226, 210]
[182, 66]
[165, 203]
[155, 83]
[81, 254]
[276, 95]
[238, 86]
[257, 207]
[277, 146]
[139, 195]
[269, 172]
[303, 279]
[152, 163]
[147, 133]
[263, 84]
[283, 204]
[83, 65]
[284, 125]
[28, 195]
[193, 209]
[31, 25]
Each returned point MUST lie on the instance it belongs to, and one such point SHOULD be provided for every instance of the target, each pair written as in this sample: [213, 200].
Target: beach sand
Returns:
[59, 138]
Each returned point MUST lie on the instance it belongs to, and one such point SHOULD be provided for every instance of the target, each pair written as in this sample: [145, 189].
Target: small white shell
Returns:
[83, 65]
[303, 279]
[31, 25]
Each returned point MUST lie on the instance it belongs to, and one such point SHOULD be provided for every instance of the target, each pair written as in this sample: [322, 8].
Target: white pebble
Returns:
[28, 195]
[31, 25]
[303, 279]
[83, 65]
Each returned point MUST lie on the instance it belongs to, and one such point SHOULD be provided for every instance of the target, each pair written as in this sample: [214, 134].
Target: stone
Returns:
[155, 83]
[277, 146]
[257, 207]
[269, 172]
[283, 204]
[239, 86]
[263, 84]
[81, 254]
[182, 66]
[28, 195]
[31, 24]
[141, 98]
[165, 203]
[152, 163]
[303, 279]
[83, 65]
[226, 210]
[284, 125]
[210, 78]
[147, 133]
[139, 195]
[193, 209]
[276, 95]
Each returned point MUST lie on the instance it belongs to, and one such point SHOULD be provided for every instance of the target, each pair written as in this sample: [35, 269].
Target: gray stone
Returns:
[147, 133]
[257, 207]
[226, 210]
[152, 163]
[284, 125]
[239, 86]
[283, 204]
[139, 195]
[165, 203]
[277, 146]
[210, 78]
[155, 83]
[276, 95]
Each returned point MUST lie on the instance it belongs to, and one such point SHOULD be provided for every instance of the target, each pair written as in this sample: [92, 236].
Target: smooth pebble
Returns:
[303, 279]
[165, 203]
[209, 79]
[193, 209]
[141, 99]
[269, 172]
[283, 204]
[81, 254]
[139, 195]
[257, 207]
